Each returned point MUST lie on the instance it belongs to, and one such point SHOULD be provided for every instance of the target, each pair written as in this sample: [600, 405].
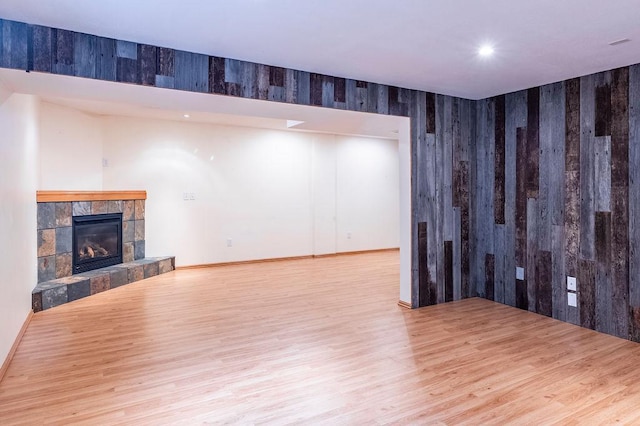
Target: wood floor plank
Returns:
[312, 341]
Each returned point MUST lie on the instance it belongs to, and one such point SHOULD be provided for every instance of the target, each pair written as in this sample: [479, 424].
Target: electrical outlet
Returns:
[519, 273]
[229, 242]
[348, 235]
[572, 299]
[571, 283]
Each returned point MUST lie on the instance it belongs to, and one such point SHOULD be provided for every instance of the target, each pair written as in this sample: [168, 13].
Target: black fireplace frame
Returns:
[79, 266]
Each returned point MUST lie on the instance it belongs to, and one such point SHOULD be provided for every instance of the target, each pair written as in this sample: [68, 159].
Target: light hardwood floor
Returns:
[313, 341]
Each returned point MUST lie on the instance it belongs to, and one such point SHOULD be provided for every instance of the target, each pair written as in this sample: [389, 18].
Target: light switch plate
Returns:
[572, 299]
[519, 273]
[571, 283]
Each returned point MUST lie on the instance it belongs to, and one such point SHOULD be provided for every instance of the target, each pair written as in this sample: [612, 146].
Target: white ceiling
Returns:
[418, 44]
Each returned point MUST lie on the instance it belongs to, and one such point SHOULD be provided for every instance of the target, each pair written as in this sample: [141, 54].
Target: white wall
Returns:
[18, 183]
[70, 148]
[367, 194]
[273, 193]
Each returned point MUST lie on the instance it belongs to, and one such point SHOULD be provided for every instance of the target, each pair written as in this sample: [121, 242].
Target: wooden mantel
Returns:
[66, 196]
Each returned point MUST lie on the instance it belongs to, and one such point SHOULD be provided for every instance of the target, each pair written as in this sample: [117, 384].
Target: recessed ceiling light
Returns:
[186, 116]
[485, 50]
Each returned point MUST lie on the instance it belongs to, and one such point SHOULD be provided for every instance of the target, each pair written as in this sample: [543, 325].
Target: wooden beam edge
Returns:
[14, 347]
[279, 259]
[67, 196]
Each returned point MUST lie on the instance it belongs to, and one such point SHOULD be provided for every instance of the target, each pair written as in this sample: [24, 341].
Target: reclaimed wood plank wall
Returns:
[442, 127]
[558, 184]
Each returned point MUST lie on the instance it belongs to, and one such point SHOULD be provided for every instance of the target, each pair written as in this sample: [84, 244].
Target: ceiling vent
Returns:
[617, 42]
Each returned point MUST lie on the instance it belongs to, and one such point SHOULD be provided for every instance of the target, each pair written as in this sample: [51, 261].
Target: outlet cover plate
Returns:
[519, 273]
[572, 299]
[571, 283]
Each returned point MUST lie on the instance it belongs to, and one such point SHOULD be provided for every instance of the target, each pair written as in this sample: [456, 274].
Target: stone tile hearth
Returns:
[49, 294]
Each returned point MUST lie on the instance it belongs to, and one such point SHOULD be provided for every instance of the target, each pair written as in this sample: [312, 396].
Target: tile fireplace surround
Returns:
[56, 284]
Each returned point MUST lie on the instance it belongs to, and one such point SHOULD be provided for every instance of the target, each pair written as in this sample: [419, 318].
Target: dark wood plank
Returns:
[216, 75]
[42, 59]
[304, 87]
[532, 252]
[106, 60]
[489, 270]
[147, 64]
[620, 261]
[166, 63]
[431, 112]
[372, 97]
[558, 277]
[291, 86]
[448, 271]
[126, 70]
[328, 92]
[572, 177]
[499, 250]
[533, 143]
[634, 205]
[521, 197]
[515, 117]
[587, 168]
[315, 89]
[602, 173]
[3, 59]
[62, 52]
[248, 79]
[603, 110]
[620, 128]
[438, 206]
[522, 301]
[445, 173]
[276, 76]
[424, 291]
[603, 271]
[382, 98]
[465, 255]
[393, 101]
[340, 90]
[418, 189]
[587, 293]
[556, 148]
[620, 201]
[263, 76]
[457, 252]
[85, 50]
[14, 46]
[544, 290]
[499, 178]
[191, 71]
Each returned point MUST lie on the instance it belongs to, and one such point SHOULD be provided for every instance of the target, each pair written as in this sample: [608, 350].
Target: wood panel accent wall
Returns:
[442, 127]
[571, 200]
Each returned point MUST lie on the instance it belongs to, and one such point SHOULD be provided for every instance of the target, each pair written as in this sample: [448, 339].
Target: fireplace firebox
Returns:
[97, 241]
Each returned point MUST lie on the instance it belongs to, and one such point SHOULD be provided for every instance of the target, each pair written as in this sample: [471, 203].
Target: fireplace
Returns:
[97, 241]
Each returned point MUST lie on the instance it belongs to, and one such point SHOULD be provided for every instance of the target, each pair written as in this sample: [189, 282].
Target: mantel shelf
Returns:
[66, 196]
